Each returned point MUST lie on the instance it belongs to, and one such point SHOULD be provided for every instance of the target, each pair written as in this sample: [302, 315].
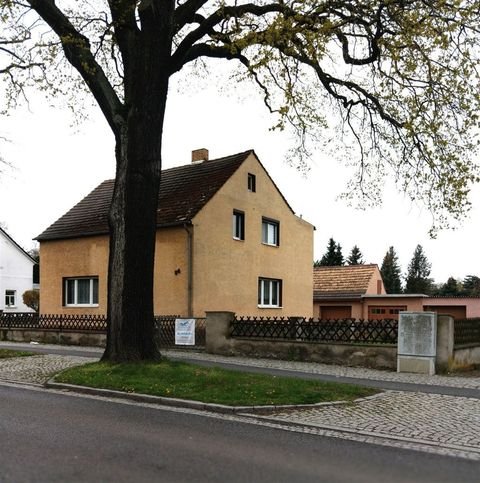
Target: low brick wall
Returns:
[81, 338]
[219, 342]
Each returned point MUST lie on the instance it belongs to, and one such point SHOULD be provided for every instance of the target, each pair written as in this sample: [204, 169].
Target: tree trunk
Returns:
[132, 221]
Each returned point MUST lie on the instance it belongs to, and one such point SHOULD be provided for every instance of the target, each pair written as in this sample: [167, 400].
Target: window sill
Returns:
[270, 245]
[239, 239]
[269, 307]
[82, 306]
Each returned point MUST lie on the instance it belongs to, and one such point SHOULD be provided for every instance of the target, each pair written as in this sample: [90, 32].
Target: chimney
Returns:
[199, 155]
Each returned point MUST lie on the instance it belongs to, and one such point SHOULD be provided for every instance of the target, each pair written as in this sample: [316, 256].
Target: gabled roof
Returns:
[184, 191]
[16, 245]
[339, 281]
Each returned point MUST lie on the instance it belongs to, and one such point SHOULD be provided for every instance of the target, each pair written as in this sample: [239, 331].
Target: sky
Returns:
[56, 162]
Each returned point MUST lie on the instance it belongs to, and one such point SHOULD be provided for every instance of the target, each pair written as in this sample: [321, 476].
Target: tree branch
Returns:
[218, 16]
[77, 51]
[187, 13]
[126, 32]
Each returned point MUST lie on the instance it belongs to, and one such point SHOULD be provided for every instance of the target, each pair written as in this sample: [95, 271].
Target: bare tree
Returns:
[401, 74]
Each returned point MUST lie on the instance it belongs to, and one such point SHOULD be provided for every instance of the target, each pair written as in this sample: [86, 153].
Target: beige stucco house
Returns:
[226, 240]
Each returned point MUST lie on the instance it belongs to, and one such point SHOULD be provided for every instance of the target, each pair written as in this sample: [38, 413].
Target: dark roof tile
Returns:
[184, 191]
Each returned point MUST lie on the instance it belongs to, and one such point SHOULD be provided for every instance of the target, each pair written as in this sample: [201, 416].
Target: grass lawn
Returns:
[5, 353]
[214, 385]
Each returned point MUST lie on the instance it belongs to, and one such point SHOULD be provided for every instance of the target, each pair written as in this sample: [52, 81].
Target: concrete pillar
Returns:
[217, 331]
[445, 343]
[417, 342]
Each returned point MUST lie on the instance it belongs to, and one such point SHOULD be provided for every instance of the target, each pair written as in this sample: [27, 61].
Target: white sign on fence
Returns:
[184, 331]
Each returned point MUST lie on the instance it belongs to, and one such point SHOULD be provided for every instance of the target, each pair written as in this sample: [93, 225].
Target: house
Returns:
[226, 240]
[338, 291]
[357, 291]
[16, 274]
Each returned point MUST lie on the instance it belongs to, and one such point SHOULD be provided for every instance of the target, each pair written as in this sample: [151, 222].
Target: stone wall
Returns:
[86, 338]
[219, 342]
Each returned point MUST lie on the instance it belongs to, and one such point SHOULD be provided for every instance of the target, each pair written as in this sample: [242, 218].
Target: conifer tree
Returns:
[451, 288]
[333, 256]
[471, 286]
[390, 271]
[355, 257]
[417, 280]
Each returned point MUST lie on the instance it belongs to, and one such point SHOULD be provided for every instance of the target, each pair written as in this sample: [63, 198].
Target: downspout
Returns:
[189, 229]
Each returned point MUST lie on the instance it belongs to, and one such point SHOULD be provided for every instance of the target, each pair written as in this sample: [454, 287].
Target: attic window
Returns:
[252, 183]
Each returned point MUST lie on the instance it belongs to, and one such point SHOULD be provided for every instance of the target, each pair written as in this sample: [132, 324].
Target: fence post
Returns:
[217, 331]
[445, 342]
[295, 329]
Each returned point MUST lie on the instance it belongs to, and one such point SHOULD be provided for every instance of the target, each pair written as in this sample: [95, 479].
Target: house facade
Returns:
[16, 274]
[358, 292]
[226, 240]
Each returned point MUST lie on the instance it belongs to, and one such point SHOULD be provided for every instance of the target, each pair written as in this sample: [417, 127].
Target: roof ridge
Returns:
[185, 190]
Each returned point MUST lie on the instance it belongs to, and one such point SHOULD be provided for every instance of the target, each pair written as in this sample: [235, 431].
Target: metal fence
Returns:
[349, 331]
[164, 324]
[466, 332]
[92, 323]
[165, 330]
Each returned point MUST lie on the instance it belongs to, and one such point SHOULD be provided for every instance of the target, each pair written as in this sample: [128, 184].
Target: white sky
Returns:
[56, 165]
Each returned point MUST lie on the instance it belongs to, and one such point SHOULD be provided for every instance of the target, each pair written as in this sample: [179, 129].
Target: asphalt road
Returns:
[50, 437]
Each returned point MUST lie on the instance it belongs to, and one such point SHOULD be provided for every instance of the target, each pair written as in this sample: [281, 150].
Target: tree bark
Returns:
[132, 221]
[132, 216]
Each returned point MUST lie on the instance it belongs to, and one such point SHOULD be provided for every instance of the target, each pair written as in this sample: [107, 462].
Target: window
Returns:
[10, 298]
[270, 232]
[81, 292]
[238, 225]
[269, 292]
[252, 183]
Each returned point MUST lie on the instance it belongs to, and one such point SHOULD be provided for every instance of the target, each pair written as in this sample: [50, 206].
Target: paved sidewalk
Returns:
[37, 369]
[437, 423]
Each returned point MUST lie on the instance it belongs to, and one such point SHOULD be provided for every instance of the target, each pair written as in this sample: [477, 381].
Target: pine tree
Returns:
[390, 271]
[451, 288]
[471, 286]
[333, 256]
[355, 257]
[339, 260]
[417, 280]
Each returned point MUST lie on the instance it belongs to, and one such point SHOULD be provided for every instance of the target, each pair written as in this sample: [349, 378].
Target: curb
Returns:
[190, 404]
[372, 434]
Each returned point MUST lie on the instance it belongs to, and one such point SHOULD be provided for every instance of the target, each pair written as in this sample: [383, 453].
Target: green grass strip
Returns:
[206, 384]
[6, 353]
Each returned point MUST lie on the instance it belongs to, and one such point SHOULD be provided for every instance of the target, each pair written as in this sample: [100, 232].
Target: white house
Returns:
[16, 274]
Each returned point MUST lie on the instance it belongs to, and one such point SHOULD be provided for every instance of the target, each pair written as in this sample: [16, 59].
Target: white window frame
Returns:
[268, 227]
[75, 292]
[274, 292]
[10, 296]
[238, 225]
